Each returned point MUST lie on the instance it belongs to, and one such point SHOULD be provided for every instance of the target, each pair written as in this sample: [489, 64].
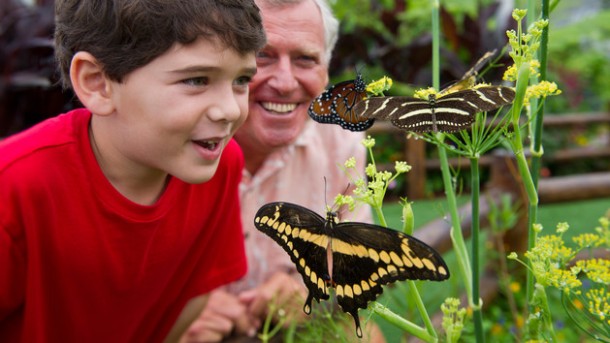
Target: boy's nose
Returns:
[226, 106]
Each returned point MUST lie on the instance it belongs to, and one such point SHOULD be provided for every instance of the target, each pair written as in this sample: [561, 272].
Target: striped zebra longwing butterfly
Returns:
[452, 109]
[451, 112]
[356, 259]
[336, 104]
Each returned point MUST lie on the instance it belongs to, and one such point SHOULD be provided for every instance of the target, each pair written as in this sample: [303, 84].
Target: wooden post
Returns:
[415, 152]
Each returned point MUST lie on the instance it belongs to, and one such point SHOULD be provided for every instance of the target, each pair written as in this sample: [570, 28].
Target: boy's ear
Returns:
[91, 84]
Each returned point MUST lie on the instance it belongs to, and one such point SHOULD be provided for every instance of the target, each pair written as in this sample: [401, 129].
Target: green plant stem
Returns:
[457, 237]
[456, 228]
[380, 216]
[402, 323]
[542, 302]
[537, 128]
[419, 303]
[474, 198]
[523, 167]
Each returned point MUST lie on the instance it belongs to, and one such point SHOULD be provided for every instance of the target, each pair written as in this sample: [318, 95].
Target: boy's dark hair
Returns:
[124, 35]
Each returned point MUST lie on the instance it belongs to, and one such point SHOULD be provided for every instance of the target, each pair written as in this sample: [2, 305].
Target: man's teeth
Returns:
[278, 107]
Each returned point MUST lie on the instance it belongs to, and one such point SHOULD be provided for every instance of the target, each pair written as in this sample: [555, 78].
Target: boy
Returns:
[114, 217]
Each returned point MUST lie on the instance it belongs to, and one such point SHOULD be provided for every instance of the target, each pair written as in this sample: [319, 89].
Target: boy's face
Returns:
[176, 114]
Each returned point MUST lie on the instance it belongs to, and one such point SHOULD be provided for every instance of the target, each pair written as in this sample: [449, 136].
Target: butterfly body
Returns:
[356, 259]
[445, 112]
[335, 105]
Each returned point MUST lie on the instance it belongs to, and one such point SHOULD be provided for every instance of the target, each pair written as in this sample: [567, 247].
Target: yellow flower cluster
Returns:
[549, 261]
[588, 240]
[379, 86]
[599, 303]
[371, 189]
[425, 93]
[564, 280]
[541, 90]
[597, 270]
[453, 318]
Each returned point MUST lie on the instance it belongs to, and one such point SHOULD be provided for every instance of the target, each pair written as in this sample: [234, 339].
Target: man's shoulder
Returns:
[331, 136]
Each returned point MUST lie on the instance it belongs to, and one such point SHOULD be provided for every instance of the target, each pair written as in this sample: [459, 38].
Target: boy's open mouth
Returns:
[209, 145]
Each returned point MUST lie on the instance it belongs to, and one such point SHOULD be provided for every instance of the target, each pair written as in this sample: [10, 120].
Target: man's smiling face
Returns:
[291, 73]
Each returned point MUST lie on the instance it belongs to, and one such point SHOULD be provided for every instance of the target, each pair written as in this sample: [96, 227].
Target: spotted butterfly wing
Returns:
[447, 113]
[357, 259]
[335, 105]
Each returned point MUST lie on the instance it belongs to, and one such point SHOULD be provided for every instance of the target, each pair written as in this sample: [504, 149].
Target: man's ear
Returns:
[90, 83]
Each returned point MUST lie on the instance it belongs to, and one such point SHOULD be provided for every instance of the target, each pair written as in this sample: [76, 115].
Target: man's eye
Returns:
[308, 60]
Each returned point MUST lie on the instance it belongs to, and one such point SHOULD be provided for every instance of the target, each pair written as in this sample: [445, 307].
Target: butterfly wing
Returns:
[300, 232]
[335, 105]
[468, 80]
[448, 113]
[486, 98]
[407, 113]
[367, 256]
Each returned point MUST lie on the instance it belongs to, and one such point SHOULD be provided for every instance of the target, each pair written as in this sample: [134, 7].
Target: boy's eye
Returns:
[243, 80]
[196, 81]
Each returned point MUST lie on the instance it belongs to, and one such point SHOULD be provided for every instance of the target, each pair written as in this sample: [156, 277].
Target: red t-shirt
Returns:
[81, 263]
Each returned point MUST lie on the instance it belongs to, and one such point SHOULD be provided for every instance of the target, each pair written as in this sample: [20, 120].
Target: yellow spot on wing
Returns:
[383, 255]
[417, 262]
[429, 264]
[321, 285]
[348, 291]
[396, 259]
[365, 285]
[339, 291]
[313, 277]
[373, 255]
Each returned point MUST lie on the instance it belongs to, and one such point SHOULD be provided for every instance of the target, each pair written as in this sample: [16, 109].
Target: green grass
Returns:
[580, 215]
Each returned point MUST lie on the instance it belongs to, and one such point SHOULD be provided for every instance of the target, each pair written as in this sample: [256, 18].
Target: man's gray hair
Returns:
[329, 22]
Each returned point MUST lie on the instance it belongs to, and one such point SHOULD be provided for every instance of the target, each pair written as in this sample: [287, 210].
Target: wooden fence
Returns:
[552, 189]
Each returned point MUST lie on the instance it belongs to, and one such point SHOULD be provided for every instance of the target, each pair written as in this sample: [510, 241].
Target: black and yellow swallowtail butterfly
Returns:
[356, 259]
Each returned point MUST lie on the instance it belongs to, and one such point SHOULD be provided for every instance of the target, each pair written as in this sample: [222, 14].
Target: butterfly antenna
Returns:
[325, 195]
